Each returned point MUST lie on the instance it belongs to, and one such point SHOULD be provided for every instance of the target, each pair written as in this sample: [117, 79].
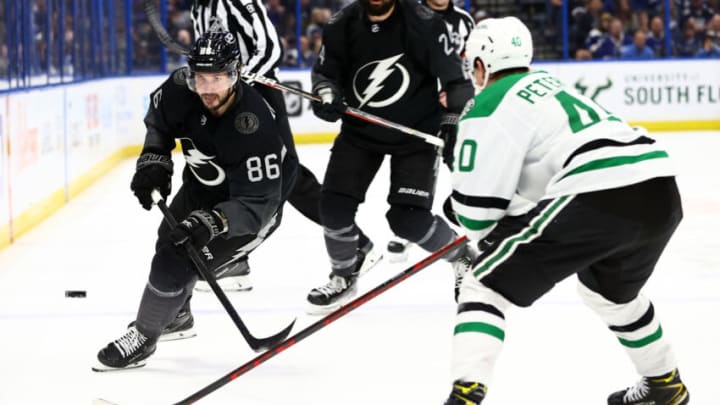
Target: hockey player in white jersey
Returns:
[552, 185]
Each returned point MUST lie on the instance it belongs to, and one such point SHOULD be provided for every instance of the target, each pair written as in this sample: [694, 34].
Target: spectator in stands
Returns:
[708, 49]
[698, 10]
[276, 12]
[714, 27]
[611, 43]
[656, 36]
[585, 20]
[318, 18]
[688, 44]
[638, 49]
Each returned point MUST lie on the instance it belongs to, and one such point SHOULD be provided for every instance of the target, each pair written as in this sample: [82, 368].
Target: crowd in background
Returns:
[597, 29]
[635, 29]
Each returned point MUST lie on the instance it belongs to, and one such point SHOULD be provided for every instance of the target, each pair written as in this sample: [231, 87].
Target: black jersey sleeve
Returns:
[162, 118]
[331, 61]
[446, 65]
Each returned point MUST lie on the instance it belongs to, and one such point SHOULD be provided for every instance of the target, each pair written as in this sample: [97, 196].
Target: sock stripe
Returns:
[480, 327]
[479, 306]
[655, 336]
[644, 320]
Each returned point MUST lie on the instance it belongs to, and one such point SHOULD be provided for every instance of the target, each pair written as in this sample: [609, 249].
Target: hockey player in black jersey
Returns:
[459, 25]
[239, 170]
[384, 57]
[261, 53]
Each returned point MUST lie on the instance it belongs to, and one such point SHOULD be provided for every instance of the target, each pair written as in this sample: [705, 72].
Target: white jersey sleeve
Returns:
[528, 137]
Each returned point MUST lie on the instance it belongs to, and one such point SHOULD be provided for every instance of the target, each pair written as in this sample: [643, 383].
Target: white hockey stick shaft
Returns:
[351, 111]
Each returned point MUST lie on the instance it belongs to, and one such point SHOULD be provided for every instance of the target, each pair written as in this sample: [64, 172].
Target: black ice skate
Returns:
[466, 393]
[460, 266]
[331, 296]
[397, 250]
[232, 277]
[666, 389]
[182, 327]
[129, 351]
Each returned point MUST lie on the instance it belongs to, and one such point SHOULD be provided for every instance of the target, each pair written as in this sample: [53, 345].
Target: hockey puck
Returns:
[75, 293]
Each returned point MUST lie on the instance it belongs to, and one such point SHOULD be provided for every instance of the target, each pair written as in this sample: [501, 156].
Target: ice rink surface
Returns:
[393, 350]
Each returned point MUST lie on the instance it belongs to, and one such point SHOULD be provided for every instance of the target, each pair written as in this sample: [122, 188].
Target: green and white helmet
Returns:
[500, 43]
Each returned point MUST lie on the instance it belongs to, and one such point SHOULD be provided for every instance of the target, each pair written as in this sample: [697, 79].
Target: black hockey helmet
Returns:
[214, 51]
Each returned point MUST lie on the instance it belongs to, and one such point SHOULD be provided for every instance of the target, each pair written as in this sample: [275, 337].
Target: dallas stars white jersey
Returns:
[528, 137]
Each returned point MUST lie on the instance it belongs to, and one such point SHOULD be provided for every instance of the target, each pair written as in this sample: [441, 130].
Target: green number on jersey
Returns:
[466, 162]
[580, 115]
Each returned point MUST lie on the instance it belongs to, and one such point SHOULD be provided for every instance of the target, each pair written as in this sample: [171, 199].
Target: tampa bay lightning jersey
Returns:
[236, 162]
[390, 69]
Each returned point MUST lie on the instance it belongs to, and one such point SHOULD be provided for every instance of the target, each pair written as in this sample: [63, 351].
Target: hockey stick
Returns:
[257, 344]
[351, 111]
[155, 22]
[153, 16]
[323, 322]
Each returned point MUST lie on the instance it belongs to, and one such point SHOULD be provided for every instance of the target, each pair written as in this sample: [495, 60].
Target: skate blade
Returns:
[397, 257]
[180, 335]
[101, 368]
[371, 260]
[231, 284]
[312, 309]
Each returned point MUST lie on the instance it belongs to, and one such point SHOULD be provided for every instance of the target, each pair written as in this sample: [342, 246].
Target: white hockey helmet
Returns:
[500, 43]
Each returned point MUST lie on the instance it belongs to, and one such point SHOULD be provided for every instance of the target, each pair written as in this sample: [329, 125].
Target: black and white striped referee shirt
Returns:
[260, 46]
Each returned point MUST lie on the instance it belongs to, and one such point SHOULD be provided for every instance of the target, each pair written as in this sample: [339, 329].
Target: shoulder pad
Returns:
[179, 76]
[344, 13]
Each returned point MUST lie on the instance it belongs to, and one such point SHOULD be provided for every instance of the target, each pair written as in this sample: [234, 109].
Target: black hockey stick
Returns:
[351, 111]
[323, 322]
[255, 343]
[153, 16]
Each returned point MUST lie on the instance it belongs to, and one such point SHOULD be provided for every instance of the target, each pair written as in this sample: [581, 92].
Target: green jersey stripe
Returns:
[510, 244]
[615, 161]
[480, 327]
[488, 100]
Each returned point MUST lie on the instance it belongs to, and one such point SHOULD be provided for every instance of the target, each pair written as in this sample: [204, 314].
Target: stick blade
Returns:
[260, 345]
[100, 401]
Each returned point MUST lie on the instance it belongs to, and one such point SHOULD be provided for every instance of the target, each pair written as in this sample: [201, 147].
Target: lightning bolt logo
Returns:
[381, 70]
[197, 161]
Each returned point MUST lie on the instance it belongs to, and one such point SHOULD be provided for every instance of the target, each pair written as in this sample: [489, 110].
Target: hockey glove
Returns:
[331, 106]
[448, 133]
[152, 171]
[199, 228]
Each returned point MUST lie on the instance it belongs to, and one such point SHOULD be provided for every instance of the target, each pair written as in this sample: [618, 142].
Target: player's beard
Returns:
[377, 9]
[214, 101]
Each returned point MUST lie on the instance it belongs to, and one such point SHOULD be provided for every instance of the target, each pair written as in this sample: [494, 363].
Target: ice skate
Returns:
[466, 393]
[331, 296]
[232, 277]
[666, 389]
[129, 351]
[368, 256]
[397, 250]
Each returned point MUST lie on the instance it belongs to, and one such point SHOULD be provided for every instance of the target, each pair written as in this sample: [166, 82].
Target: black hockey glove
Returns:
[152, 171]
[331, 107]
[199, 228]
[448, 133]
